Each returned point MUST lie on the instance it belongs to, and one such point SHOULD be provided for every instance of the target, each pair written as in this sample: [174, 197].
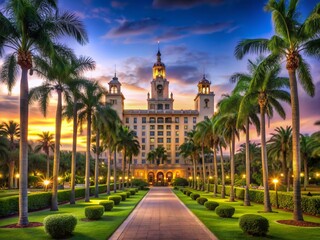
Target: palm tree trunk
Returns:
[23, 160]
[74, 153]
[123, 167]
[48, 166]
[267, 204]
[11, 174]
[203, 169]
[285, 170]
[87, 173]
[96, 165]
[128, 173]
[296, 163]
[115, 170]
[194, 173]
[215, 188]
[56, 160]
[232, 146]
[305, 168]
[109, 171]
[246, 193]
[223, 189]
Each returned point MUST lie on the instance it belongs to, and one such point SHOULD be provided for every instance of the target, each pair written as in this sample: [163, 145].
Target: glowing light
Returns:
[111, 178]
[17, 175]
[281, 174]
[301, 174]
[243, 176]
[126, 178]
[317, 174]
[197, 177]
[227, 177]
[59, 178]
[46, 182]
[190, 178]
[132, 177]
[100, 178]
[1, 175]
[120, 178]
[275, 181]
[210, 177]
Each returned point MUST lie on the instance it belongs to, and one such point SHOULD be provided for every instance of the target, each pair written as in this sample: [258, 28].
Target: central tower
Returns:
[160, 99]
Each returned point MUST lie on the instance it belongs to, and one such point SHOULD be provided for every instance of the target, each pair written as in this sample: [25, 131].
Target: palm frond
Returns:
[9, 71]
[278, 107]
[305, 77]
[41, 94]
[255, 46]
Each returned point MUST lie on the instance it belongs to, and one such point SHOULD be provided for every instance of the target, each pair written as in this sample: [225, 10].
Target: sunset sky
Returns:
[196, 37]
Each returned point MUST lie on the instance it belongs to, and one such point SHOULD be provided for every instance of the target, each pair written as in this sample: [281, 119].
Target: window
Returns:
[143, 147]
[168, 140]
[177, 140]
[177, 127]
[127, 120]
[143, 154]
[167, 106]
[114, 89]
[177, 133]
[143, 161]
[143, 127]
[160, 106]
[160, 133]
[206, 101]
[160, 140]
[176, 147]
[177, 161]
[152, 127]
[176, 119]
[144, 119]
[151, 133]
[160, 120]
[152, 139]
[177, 154]
[168, 120]
[194, 119]
[135, 161]
[143, 133]
[151, 147]
[168, 133]
[206, 117]
[135, 120]
[143, 140]
[152, 120]
[160, 127]
[185, 133]
[185, 127]
[185, 120]
[151, 106]
[168, 147]
[135, 127]
[113, 101]
[168, 127]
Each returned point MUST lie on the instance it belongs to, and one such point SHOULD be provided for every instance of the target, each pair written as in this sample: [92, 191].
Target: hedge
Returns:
[37, 201]
[94, 212]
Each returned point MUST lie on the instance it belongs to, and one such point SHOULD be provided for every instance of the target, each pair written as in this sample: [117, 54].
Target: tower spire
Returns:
[115, 70]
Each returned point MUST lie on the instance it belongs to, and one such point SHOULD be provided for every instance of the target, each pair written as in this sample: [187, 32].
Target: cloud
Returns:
[134, 27]
[97, 13]
[9, 106]
[183, 4]
[118, 4]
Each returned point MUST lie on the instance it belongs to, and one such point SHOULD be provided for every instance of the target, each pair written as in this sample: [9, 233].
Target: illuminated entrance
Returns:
[169, 176]
[160, 177]
[150, 177]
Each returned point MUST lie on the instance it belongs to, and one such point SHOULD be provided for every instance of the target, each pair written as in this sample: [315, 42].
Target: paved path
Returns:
[161, 215]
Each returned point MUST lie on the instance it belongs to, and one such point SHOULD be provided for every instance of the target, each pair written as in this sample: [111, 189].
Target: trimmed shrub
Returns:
[94, 212]
[211, 205]
[194, 196]
[108, 204]
[225, 211]
[59, 225]
[175, 188]
[253, 224]
[115, 198]
[180, 182]
[137, 189]
[181, 190]
[139, 183]
[189, 193]
[132, 191]
[123, 196]
[128, 194]
[202, 200]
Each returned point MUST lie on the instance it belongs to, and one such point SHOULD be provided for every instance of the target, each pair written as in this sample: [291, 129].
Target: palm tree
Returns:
[151, 156]
[133, 150]
[247, 116]
[46, 144]
[280, 145]
[266, 89]
[161, 154]
[91, 99]
[4, 145]
[292, 39]
[30, 28]
[11, 130]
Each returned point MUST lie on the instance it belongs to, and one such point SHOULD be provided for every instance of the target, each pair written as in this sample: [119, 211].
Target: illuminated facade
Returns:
[160, 124]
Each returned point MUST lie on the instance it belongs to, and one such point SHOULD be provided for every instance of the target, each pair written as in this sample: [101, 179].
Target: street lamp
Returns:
[275, 181]
[126, 178]
[190, 178]
[120, 180]
[208, 187]
[198, 184]
[132, 178]
[17, 177]
[46, 183]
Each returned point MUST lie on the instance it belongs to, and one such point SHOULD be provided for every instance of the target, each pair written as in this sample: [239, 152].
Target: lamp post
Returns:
[190, 178]
[132, 178]
[208, 186]
[46, 183]
[126, 178]
[120, 180]
[16, 182]
[275, 181]
[198, 184]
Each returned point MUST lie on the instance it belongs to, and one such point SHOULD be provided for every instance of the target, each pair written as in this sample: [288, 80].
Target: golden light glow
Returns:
[281, 174]
[59, 178]
[1, 175]
[227, 177]
[126, 178]
[275, 180]
[17, 175]
[197, 177]
[132, 177]
[111, 178]
[120, 178]
[243, 176]
[100, 178]
[317, 174]
[190, 178]
[46, 182]
[301, 174]
[210, 177]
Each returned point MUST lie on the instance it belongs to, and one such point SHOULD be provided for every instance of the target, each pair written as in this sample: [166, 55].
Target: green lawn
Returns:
[228, 229]
[100, 229]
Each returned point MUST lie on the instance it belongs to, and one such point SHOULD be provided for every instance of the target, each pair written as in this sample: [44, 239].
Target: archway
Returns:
[150, 177]
[160, 177]
[169, 176]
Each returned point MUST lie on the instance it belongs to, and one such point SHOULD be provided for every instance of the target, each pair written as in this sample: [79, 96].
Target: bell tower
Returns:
[115, 97]
[160, 98]
[204, 101]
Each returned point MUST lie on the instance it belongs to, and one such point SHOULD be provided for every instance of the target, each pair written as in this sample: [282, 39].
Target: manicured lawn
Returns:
[100, 229]
[228, 228]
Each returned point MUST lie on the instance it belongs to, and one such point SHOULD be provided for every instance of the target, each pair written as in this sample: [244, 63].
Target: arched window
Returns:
[206, 101]
[114, 89]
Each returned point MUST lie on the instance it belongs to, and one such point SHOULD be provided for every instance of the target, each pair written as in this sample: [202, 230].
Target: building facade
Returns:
[160, 124]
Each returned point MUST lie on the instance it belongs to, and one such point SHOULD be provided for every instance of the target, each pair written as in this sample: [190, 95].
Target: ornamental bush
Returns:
[123, 196]
[202, 200]
[132, 191]
[225, 211]
[253, 224]
[108, 204]
[189, 193]
[139, 183]
[59, 225]
[94, 212]
[194, 196]
[180, 182]
[211, 205]
[115, 198]
[128, 194]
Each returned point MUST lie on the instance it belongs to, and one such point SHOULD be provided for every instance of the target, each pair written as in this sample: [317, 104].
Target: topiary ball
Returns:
[253, 224]
[108, 204]
[211, 205]
[59, 225]
[225, 211]
[132, 191]
[128, 194]
[136, 189]
[123, 196]
[189, 193]
[94, 212]
[194, 196]
[202, 200]
[115, 198]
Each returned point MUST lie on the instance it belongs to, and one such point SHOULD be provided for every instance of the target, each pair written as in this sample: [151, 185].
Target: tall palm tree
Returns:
[11, 130]
[30, 28]
[161, 154]
[247, 116]
[133, 150]
[280, 145]
[91, 99]
[291, 41]
[4, 145]
[266, 89]
[151, 156]
[46, 144]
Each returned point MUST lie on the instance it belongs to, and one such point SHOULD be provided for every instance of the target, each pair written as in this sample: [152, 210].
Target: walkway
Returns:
[161, 215]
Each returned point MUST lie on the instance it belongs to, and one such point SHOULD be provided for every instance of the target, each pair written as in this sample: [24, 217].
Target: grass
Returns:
[100, 229]
[228, 228]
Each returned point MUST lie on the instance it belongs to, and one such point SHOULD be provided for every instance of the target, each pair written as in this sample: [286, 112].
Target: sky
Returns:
[196, 37]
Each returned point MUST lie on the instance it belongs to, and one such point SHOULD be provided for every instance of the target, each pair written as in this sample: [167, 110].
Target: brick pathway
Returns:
[161, 215]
